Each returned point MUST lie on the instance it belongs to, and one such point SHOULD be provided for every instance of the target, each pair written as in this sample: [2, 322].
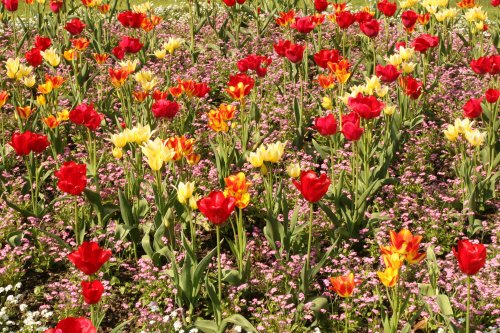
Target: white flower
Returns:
[177, 325]
[23, 307]
[238, 329]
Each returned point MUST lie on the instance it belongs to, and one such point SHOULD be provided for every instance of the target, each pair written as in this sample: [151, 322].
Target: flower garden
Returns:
[249, 166]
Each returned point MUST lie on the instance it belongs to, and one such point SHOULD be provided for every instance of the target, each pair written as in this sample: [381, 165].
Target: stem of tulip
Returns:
[347, 308]
[219, 271]
[308, 245]
[467, 319]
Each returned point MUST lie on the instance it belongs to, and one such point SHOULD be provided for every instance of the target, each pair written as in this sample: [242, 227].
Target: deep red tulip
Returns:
[350, 127]
[320, 5]
[388, 73]
[163, 108]
[411, 86]
[326, 125]
[471, 257]
[72, 178]
[118, 52]
[409, 18]
[11, 5]
[42, 43]
[387, 8]
[239, 86]
[492, 95]
[303, 24]
[344, 19]
[399, 45]
[33, 57]
[75, 26]
[487, 64]
[73, 325]
[366, 107]
[255, 63]
[130, 19]
[295, 53]
[27, 142]
[86, 115]
[89, 257]
[323, 57]
[312, 187]
[130, 45]
[281, 47]
[473, 109]
[424, 42]
[495, 3]
[363, 16]
[92, 291]
[56, 5]
[370, 28]
[231, 3]
[216, 207]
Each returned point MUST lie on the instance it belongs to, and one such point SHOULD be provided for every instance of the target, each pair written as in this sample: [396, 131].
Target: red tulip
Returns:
[326, 125]
[363, 16]
[366, 107]
[33, 57]
[424, 42]
[86, 115]
[118, 52]
[295, 53]
[130, 19]
[27, 142]
[411, 86]
[304, 24]
[344, 19]
[163, 108]
[495, 3]
[89, 257]
[239, 86]
[312, 187]
[350, 127]
[492, 95]
[320, 5]
[73, 325]
[42, 43]
[471, 257]
[56, 5]
[72, 178]
[231, 3]
[130, 45]
[343, 285]
[254, 63]
[487, 64]
[323, 57]
[75, 26]
[387, 8]
[92, 291]
[11, 5]
[473, 109]
[281, 47]
[409, 18]
[370, 28]
[388, 73]
[216, 207]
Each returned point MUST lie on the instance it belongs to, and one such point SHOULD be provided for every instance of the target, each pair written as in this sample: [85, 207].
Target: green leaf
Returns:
[238, 320]
[206, 326]
[444, 305]
[120, 327]
[126, 209]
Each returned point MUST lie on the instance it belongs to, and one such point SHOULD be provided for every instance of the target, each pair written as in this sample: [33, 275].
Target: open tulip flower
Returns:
[312, 187]
[89, 257]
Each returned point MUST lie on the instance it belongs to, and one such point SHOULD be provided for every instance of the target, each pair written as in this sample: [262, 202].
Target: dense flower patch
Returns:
[249, 166]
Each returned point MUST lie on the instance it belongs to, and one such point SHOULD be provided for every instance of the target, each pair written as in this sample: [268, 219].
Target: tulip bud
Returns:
[185, 191]
[117, 152]
[389, 110]
[327, 103]
[40, 99]
[293, 170]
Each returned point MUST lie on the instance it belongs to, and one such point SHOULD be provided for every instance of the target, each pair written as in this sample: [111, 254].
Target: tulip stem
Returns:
[467, 319]
[219, 272]
[306, 278]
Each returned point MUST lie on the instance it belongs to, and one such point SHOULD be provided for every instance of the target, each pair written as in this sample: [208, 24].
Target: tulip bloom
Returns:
[163, 108]
[344, 19]
[411, 86]
[92, 291]
[409, 19]
[387, 8]
[295, 53]
[27, 142]
[370, 28]
[130, 45]
[424, 42]
[312, 187]
[343, 285]
[72, 178]
[73, 325]
[89, 257]
[326, 125]
[320, 5]
[389, 277]
[255, 63]
[350, 127]
[388, 73]
[130, 19]
[367, 107]
[473, 109]
[492, 96]
[239, 86]
[304, 24]
[323, 57]
[11, 5]
[75, 26]
[216, 207]
[86, 115]
[471, 257]
[33, 57]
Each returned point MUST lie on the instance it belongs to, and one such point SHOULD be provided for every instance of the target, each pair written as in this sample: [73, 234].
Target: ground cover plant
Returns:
[249, 166]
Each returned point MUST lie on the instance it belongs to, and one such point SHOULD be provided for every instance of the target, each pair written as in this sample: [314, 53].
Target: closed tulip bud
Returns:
[389, 277]
[185, 191]
[451, 133]
[471, 257]
[463, 125]
[389, 110]
[40, 99]
[29, 81]
[193, 202]
[475, 137]
[117, 152]
[326, 103]
[255, 159]
[293, 170]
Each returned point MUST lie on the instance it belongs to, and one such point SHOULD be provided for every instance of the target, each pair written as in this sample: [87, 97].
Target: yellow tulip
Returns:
[160, 54]
[156, 153]
[185, 192]
[475, 137]
[389, 110]
[463, 125]
[389, 277]
[255, 159]
[119, 140]
[326, 103]
[117, 152]
[172, 44]
[51, 57]
[12, 66]
[451, 133]
[293, 170]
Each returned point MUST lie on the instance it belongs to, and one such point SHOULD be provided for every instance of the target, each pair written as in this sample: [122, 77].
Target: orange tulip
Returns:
[343, 285]
[423, 19]
[100, 58]
[103, 9]
[239, 86]
[51, 122]
[216, 122]
[25, 112]
[181, 146]
[286, 18]
[193, 158]
[56, 81]
[389, 277]
[140, 96]
[326, 81]
[80, 44]
[118, 76]
[3, 97]
[237, 187]
[466, 4]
